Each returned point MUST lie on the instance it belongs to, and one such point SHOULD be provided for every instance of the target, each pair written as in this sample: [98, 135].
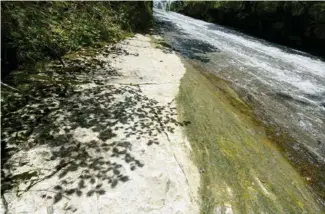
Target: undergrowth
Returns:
[34, 31]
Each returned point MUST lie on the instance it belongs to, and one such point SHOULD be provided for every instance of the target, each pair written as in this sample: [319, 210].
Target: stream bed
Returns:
[284, 87]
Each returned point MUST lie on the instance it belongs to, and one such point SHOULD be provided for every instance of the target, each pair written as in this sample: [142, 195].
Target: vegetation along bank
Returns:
[297, 24]
[34, 31]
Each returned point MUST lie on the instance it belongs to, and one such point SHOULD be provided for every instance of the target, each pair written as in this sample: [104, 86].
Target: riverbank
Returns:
[38, 31]
[111, 143]
[117, 130]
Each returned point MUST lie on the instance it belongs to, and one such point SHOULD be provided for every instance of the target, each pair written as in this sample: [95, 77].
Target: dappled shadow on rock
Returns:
[89, 132]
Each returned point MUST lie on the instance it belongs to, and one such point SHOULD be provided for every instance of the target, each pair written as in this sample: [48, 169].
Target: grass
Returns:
[241, 168]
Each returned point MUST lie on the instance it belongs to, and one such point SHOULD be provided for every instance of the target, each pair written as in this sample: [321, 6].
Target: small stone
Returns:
[201, 170]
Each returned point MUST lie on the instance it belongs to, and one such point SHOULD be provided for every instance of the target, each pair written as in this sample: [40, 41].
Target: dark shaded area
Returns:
[299, 24]
[54, 113]
[183, 43]
[232, 30]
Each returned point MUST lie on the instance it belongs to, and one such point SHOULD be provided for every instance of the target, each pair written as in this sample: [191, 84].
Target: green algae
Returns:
[241, 168]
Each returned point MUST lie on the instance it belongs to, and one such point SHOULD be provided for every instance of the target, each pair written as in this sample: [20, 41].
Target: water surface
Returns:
[285, 87]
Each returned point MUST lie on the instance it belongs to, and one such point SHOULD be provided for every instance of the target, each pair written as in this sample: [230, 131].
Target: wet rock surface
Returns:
[285, 87]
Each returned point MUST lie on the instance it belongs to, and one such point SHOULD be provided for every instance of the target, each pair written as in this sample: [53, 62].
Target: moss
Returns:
[242, 167]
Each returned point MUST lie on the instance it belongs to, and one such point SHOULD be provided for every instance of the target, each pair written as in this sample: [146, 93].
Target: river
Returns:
[285, 87]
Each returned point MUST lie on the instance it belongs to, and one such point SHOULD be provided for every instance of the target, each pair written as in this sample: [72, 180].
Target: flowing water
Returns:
[285, 87]
[162, 5]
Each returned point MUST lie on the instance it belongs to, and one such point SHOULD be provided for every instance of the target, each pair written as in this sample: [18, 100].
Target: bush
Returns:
[33, 31]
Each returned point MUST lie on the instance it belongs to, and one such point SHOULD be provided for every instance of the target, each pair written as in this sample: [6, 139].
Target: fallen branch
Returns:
[5, 203]
[46, 190]
[46, 177]
[10, 87]
[15, 89]
[171, 102]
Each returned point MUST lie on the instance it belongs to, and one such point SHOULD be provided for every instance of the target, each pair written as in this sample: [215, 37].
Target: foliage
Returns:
[33, 31]
[295, 23]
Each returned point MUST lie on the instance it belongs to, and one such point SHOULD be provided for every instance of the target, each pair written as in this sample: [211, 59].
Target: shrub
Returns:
[33, 31]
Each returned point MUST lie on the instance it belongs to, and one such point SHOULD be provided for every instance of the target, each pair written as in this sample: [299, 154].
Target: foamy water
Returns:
[289, 84]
